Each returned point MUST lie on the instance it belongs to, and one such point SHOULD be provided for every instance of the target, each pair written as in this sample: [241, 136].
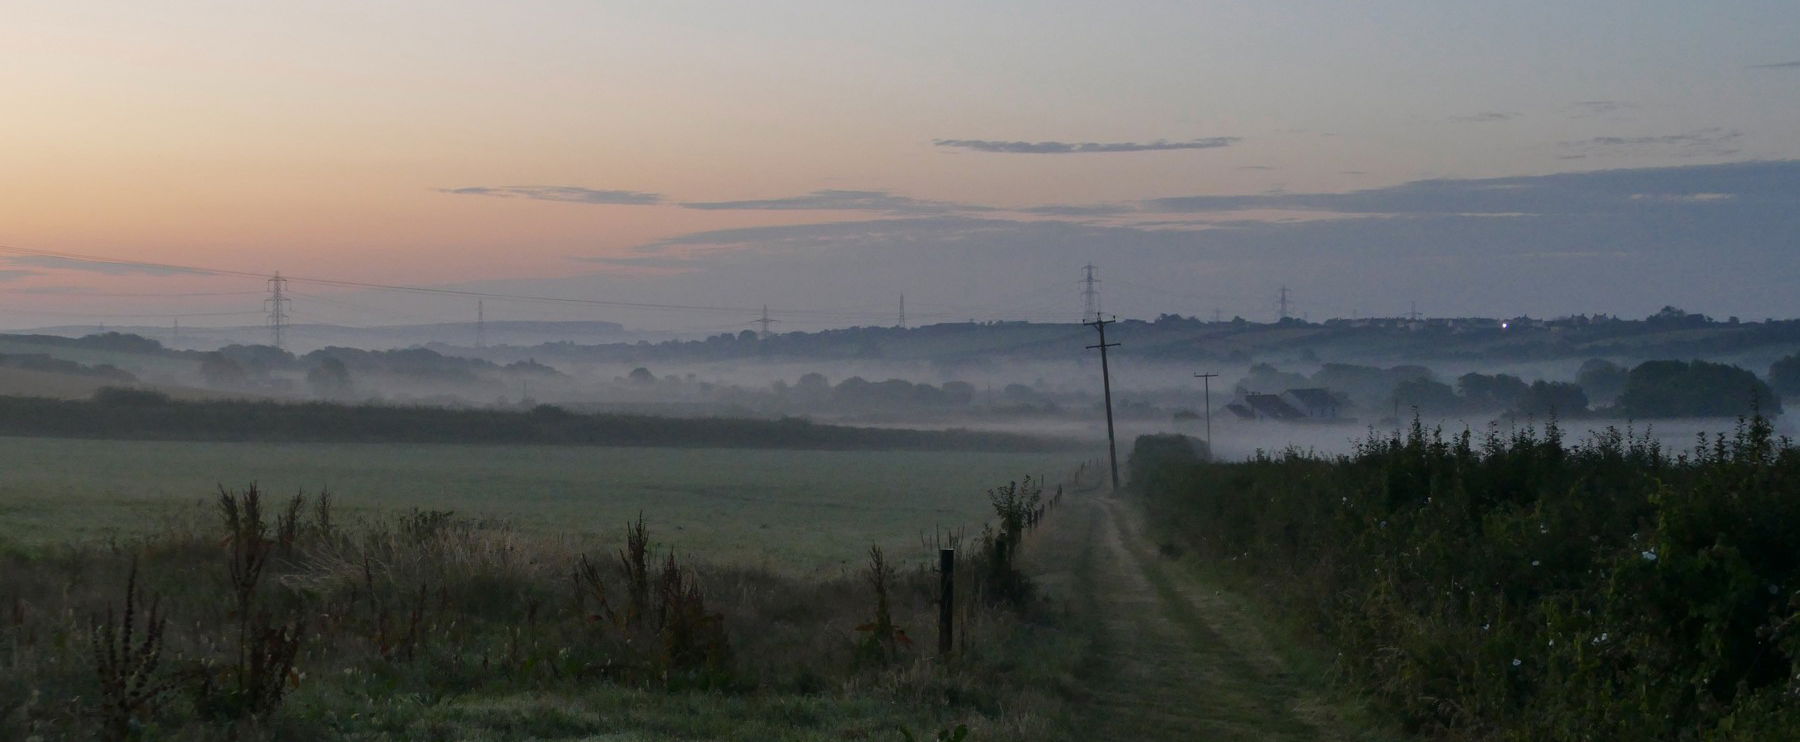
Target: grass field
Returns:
[777, 508]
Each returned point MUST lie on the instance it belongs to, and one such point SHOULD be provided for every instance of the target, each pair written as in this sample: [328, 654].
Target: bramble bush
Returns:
[1518, 587]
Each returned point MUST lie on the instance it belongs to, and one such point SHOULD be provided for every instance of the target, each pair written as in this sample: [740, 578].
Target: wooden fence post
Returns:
[946, 599]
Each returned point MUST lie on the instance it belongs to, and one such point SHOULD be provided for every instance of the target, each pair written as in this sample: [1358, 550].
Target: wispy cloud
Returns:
[1794, 65]
[1711, 141]
[1586, 108]
[14, 275]
[1485, 117]
[830, 233]
[566, 194]
[1081, 209]
[1599, 192]
[113, 268]
[1073, 148]
[1612, 240]
[841, 200]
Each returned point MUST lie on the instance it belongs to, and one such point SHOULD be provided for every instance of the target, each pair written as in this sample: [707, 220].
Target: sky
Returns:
[825, 158]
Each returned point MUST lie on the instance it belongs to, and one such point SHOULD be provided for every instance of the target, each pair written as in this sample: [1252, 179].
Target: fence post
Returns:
[946, 599]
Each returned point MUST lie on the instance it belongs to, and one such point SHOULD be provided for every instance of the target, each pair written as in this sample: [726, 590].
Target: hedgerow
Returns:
[1519, 587]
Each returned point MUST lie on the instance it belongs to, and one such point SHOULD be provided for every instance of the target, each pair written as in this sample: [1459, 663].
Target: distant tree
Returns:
[1496, 392]
[1267, 379]
[812, 389]
[259, 360]
[1672, 317]
[329, 378]
[1427, 396]
[113, 396]
[220, 370]
[641, 375]
[1695, 389]
[1784, 376]
[1546, 398]
[1602, 379]
[532, 367]
[959, 393]
[119, 341]
[1021, 394]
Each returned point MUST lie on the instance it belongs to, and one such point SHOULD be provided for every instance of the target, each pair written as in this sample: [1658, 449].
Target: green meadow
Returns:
[784, 509]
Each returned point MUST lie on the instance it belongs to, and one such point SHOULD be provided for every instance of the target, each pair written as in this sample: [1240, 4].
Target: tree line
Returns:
[141, 414]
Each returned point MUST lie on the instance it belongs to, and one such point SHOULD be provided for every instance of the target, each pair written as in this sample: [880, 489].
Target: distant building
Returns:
[1313, 404]
[1271, 407]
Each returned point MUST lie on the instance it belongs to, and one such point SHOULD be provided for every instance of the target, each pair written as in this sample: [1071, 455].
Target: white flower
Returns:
[1535, 562]
[1649, 556]
[1516, 662]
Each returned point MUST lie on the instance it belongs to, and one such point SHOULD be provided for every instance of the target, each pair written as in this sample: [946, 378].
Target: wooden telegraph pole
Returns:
[1112, 443]
[1206, 382]
[946, 599]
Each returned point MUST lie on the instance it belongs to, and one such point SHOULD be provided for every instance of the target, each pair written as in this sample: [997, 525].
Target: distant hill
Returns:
[306, 337]
[132, 414]
[1672, 334]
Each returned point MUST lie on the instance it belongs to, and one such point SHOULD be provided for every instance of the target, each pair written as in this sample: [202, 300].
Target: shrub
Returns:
[1514, 587]
[127, 662]
[882, 639]
[1695, 389]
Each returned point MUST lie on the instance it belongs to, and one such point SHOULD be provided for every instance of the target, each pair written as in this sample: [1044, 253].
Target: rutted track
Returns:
[1180, 661]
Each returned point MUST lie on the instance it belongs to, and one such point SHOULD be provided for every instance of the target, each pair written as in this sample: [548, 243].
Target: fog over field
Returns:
[974, 371]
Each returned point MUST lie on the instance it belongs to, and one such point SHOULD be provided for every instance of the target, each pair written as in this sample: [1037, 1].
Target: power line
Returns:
[1090, 294]
[110, 295]
[765, 322]
[439, 291]
[150, 315]
[277, 304]
[1035, 314]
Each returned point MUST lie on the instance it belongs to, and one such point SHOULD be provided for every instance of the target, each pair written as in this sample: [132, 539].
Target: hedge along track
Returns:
[1180, 660]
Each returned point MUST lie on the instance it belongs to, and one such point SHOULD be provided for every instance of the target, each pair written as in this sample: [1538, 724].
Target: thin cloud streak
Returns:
[1593, 192]
[840, 200]
[1586, 108]
[110, 268]
[565, 194]
[1699, 142]
[1071, 148]
[1485, 117]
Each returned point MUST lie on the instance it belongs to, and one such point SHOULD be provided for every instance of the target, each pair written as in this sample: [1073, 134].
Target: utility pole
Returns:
[1206, 383]
[903, 311]
[1283, 302]
[1090, 294]
[1112, 442]
[1414, 314]
[480, 324]
[277, 305]
[765, 322]
[1218, 315]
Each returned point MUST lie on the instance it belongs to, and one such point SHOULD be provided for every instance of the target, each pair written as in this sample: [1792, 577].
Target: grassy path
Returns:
[1180, 660]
